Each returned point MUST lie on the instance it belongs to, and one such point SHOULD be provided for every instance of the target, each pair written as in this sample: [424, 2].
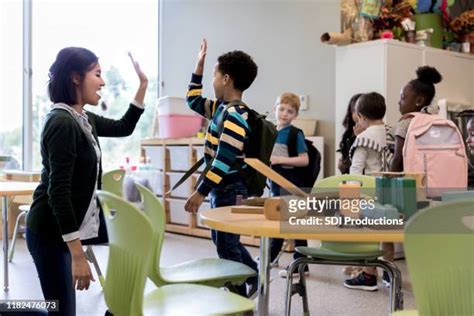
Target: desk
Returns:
[10, 189]
[256, 225]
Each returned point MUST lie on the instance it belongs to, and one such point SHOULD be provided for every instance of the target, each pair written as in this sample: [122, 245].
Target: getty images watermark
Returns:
[326, 213]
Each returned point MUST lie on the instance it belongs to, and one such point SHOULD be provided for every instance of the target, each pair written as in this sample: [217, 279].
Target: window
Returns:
[109, 28]
[11, 96]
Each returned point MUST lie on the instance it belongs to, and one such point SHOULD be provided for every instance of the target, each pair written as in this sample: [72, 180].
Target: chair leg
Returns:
[285, 244]
[290, 287]
[11, 253]
[303, 293]
[289, 292]
[92, 259]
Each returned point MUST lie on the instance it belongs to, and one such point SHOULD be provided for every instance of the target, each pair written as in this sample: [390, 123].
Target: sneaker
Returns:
[272, 264]
[284, 273]
[386, 279]
[363, 281]
[252, 287]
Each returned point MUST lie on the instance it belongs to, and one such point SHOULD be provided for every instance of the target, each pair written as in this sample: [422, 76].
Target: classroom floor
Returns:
[326, 293]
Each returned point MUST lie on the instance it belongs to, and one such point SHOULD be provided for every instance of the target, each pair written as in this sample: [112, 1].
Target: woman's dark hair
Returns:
[427, 77]
[70, 61]
[348, 123]
[240, 67]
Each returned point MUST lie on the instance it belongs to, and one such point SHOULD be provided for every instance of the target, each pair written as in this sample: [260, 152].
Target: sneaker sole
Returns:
[362, 287]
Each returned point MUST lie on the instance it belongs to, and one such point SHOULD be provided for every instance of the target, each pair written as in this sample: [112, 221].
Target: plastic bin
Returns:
[178, 125]
[173, 105]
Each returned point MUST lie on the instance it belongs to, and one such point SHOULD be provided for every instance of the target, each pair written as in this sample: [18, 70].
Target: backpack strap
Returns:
[221, 118]
[292, 141]
[189, 173]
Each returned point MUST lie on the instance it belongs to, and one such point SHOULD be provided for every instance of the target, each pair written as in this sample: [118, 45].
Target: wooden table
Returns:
[256, 225]
[10, 189]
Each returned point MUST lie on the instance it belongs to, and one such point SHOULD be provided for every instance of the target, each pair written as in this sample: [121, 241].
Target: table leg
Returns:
[263, 277]
[5, 242]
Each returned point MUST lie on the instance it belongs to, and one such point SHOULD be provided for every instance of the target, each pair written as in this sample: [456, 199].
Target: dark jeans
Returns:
[228, 245]
[277, 243]
[53, 264]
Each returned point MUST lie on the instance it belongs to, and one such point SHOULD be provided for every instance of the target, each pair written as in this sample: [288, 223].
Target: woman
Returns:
[65, 213]
[351, 129]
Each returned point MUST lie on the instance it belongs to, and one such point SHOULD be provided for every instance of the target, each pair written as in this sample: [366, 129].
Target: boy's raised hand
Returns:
[201, 58]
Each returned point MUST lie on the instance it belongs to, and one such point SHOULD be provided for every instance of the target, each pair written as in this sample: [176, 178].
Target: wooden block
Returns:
[245, 209]
[272, 209]
[276, 209]
[254, 202]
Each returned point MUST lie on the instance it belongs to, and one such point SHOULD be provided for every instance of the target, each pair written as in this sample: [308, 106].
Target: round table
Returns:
[257, 225]
[10, 189]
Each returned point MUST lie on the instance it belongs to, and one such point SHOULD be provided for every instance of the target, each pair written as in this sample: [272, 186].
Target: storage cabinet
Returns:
[173, 157]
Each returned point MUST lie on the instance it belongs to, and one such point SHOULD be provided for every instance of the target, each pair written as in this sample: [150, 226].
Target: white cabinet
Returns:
[385, 66]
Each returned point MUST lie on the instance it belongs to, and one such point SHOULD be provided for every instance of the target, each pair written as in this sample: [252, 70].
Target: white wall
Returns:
[281, 36]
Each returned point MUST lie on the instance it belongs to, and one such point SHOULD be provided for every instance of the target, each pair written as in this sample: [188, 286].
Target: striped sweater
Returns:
[376, 139]
[227, 149]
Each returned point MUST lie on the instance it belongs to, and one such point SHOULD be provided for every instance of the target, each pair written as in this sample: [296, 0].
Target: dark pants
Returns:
[53, 264]
[277, 243]
[228, 245]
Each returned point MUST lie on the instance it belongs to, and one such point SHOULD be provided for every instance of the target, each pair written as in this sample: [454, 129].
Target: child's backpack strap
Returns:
[293, 141]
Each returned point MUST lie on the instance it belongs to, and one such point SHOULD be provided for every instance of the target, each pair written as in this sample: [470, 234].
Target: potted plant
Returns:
[463, 27]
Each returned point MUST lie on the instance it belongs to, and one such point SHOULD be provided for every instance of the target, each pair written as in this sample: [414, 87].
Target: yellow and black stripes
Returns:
[225, 146]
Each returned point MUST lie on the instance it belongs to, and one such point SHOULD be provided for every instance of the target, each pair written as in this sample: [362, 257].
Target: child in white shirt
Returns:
[370, 153]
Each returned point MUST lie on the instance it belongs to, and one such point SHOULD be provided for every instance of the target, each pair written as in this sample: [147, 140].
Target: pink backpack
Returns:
[435, 147]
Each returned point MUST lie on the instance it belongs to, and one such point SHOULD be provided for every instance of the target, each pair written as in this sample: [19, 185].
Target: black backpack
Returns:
[306, 175]
[259, 145]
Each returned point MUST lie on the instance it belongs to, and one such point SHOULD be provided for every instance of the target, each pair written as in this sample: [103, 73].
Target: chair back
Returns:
[439, 243]
[156, 214]
[331, 184]
[112, 181]
[130, 238]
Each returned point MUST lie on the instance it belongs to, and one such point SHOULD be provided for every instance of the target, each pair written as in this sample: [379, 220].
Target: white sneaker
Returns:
[284, 274]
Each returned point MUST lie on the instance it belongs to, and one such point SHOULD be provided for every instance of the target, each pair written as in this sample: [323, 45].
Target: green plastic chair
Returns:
[439, 243]
[209, 271]
[112, 181]
[330, 184]
[131, 236]
[340, 253]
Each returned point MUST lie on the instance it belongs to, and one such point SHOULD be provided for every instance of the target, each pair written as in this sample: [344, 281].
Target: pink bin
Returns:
[178, 125]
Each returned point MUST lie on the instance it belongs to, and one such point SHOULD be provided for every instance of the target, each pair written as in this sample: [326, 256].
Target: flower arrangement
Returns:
[463, 24]
[390, 18]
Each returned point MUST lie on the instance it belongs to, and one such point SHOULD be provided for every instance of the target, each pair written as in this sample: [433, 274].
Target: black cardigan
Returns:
[62, 198]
